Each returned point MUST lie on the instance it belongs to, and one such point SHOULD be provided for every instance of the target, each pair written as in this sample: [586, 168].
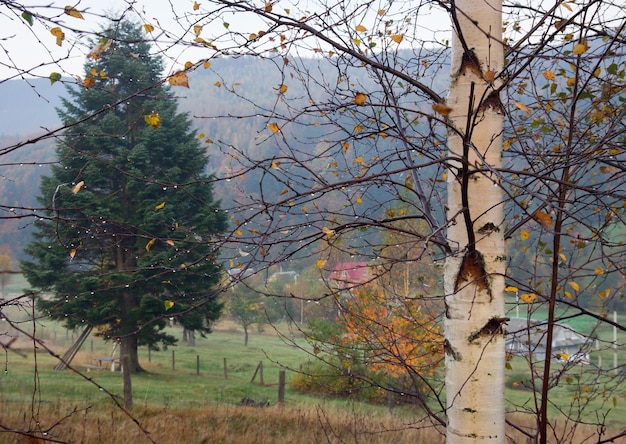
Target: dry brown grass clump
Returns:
[217, 424]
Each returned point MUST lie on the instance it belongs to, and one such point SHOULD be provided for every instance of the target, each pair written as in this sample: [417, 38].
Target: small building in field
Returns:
[347, 275]
[528, 338]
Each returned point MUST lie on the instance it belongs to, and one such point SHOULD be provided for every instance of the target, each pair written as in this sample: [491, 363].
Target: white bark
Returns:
[475, 358]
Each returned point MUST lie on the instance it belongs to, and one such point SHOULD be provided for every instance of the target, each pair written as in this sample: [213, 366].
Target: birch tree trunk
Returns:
[474, 273]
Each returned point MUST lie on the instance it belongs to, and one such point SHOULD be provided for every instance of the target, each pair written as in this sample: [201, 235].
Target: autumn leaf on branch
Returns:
[73, 12]
[179, 79]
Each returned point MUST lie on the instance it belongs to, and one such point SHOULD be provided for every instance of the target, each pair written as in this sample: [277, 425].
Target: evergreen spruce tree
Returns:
[127, 244]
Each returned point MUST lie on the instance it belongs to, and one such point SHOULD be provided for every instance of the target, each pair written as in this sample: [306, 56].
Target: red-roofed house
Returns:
[346, 275]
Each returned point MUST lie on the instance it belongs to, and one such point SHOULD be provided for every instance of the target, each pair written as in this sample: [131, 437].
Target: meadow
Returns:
[195, 394]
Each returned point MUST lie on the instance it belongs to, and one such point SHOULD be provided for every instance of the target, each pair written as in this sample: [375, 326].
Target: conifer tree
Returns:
[127, 242]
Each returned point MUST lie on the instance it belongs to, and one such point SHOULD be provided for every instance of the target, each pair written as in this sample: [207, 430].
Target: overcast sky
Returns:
[34, 50]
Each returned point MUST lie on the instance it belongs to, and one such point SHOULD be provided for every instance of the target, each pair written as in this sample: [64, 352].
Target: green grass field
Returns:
[216, 374]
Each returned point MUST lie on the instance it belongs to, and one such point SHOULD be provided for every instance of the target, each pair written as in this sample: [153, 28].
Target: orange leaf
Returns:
[197, 29]
[397, 38]
[150, 244]
[360, 99]
[360, 28]
[268, 7]
[206, 64]
[528, 297]
[282, 88]
[72, 253]
[76, 188]
[188, 65]
[73, 12]
[543, 218]
[320, 263]
[548, 75]
[153, 120]
[148, 28]
[196, 6]
[442, 108]
[524, 235]
[89, 82]
[523, 107]
[490, 76]
[179, 79]
[274, 127]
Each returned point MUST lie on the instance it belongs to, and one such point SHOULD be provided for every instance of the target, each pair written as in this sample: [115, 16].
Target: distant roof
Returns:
[351, 273]
[534, 333]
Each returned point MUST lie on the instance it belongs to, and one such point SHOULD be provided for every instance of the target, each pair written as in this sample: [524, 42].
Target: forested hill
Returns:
[229, 87]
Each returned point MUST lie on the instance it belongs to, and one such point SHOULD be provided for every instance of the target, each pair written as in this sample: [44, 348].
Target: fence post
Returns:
[197, 365]
[281, 387]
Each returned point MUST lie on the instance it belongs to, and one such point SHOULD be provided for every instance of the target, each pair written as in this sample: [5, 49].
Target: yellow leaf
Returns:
[218, 83]
[72, 253]
[360, 28]
[524, 235]
[567, 294]
[397, 38]
[239, 233]
[206, 64]
[76, 188]
[179, 79]
[73, 12]
[59, 34]
[548, 75]
[359, 199]
[274, 127]
[528, 298]
[328, 231]
[150, 244]
[159, 206]
[252, 36]
[168, 304]
[562, 356]
[580, 48]
[282, 88]
[359, 159]
[571, 81]
[275, 164]
[360, 98]
[574, 285]
[357, 42]
[442, 108]
[148, 28]
[196, 6]
[153, 119]
[197, 29]
[188, 65]
[103, 75]
[605, 293]
[598, 271]
[511, 289]
[523, 107]
[381, 12]
[89, 82]
[321, 263]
